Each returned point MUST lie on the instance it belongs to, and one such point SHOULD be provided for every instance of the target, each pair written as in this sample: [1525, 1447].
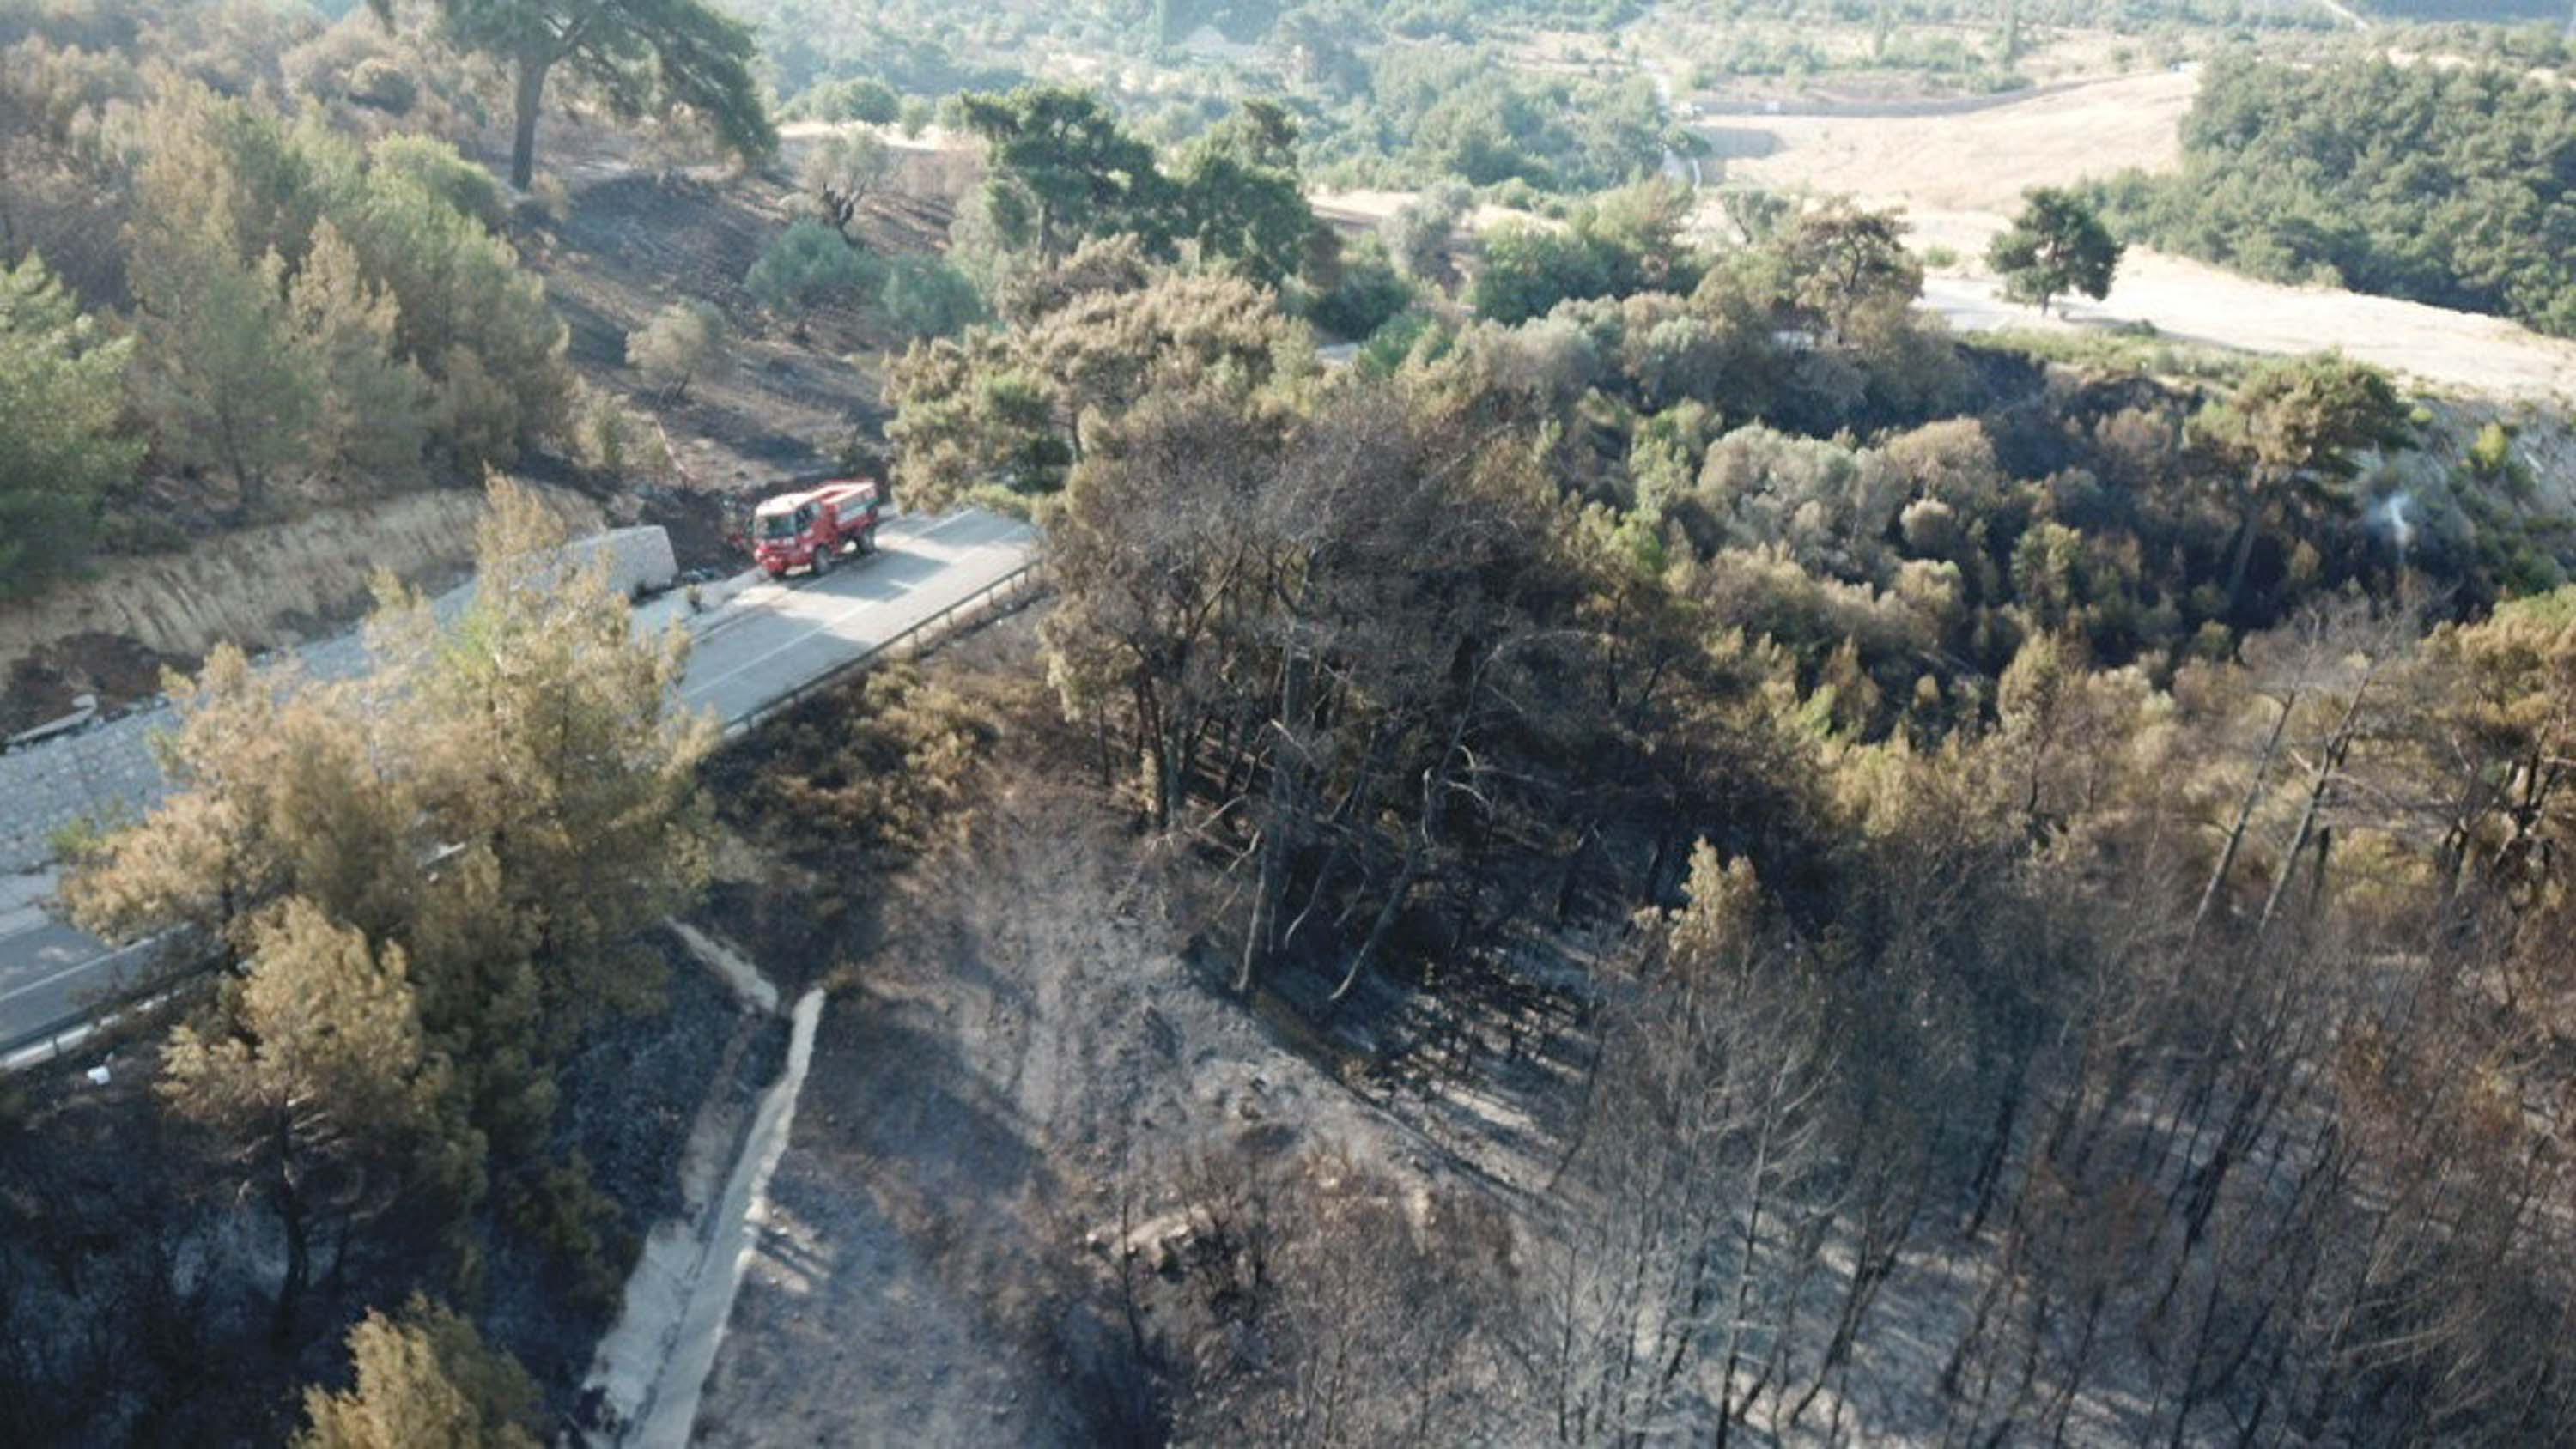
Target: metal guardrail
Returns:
[44, 1043]
[1002, 595]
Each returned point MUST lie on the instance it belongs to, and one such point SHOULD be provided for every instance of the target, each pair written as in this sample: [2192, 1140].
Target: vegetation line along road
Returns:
[760, 651]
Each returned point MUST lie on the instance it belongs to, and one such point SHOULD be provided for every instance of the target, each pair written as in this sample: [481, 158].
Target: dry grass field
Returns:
[1959, 174]
[1979, 160]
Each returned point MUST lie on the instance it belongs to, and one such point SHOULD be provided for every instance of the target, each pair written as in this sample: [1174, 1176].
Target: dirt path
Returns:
[754, 990]
[741, 1214]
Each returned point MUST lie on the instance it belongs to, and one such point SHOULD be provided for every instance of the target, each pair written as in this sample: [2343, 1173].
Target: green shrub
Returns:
[1368, 294]
[682, 343]
[2491, 452]
[864, 99]
[927, 296]
[1387, 348]
[603, 432]
[385, 85]
[581, 1230]
[812, 265]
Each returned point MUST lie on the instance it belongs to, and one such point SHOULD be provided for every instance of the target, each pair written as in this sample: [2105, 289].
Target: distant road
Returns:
[755, 649]
[1903, 108]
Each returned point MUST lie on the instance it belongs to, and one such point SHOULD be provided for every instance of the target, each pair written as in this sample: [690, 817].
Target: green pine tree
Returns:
[372, 417]
[640, 56]
[219, 375]
[2056, 246]
[61, 386]
[322, 1085]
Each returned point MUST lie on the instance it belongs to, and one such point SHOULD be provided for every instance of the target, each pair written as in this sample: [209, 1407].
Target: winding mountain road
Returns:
[754, 650]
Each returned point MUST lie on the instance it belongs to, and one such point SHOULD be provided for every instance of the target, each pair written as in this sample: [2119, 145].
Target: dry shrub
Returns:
[877, 770]
[1314, 1299]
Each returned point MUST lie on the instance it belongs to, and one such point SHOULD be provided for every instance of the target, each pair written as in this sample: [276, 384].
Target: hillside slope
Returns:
[262, 588]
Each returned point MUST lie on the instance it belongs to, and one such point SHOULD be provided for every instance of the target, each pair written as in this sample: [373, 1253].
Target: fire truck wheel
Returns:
[822, 561]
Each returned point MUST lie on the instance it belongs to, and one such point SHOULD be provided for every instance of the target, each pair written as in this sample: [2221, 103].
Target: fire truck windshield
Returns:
[777, 525]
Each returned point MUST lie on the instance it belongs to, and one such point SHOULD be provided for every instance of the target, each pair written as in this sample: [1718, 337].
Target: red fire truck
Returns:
[812, 528]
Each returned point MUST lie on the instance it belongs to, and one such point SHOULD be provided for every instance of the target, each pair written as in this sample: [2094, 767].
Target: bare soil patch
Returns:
[636, 243]
[1362, 209]
[2192, 301]
[44, 685]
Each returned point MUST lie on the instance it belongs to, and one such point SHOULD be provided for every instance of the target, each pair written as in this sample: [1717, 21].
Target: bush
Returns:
[864, 99]
[1390, 345]
[812, 265]
[581, 1231]
[385, 85]
[1529, 268]
[876, 769]
[1617, 244]
[1369, 293]
[1417, 236]
[436, 167]
[684, 342]
[603, 431]
[927, 296]
[2491, 452]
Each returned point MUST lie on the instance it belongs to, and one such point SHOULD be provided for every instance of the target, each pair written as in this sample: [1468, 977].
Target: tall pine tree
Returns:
[61, 383]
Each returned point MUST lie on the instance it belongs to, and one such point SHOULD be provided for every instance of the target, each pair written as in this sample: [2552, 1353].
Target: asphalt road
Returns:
[750, 651]
[776, 636]
[48, 970]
